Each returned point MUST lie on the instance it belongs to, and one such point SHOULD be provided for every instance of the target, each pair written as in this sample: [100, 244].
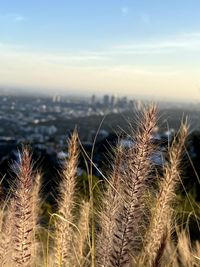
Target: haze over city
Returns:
[145, 48]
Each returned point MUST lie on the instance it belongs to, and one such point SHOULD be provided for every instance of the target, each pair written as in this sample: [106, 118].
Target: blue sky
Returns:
[141, 47]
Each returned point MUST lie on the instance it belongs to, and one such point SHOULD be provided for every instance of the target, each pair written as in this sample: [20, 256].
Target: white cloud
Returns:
[20, 53]
[47, 71]
[19, 18]
[165, 45]
[34, 72]
[12, 17]
[125, 10]
[107, 69]
[145, 18]
[173, 44]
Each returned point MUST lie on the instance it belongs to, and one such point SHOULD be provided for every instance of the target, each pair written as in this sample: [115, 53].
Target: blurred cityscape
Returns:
[46, 122]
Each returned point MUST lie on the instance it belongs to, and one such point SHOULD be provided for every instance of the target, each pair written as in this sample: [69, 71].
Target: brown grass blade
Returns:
[81, 236]
[111, 203]
[6, 245]
[160, 214]
[66, 199]
[23, 213]
[135, 173]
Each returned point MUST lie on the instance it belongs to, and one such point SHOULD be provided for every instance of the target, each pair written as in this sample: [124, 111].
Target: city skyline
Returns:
[125, 47]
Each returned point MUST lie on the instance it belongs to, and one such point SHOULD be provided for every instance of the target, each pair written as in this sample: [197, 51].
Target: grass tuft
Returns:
[127, 231]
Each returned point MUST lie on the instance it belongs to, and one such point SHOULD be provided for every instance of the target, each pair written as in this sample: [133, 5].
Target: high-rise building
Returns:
[113, 101]
[106, 100]
[93, 100]
[56, 99]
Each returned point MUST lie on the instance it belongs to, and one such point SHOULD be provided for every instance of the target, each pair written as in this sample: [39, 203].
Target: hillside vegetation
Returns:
[131, 223]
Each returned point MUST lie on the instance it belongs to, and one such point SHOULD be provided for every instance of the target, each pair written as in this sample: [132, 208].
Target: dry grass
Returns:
[24, 214]
[111, 204]
[120, 239]
[64, 230]
[161, 212]
[129, 209]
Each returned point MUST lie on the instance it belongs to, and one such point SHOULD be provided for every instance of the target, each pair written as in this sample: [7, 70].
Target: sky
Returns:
[146, 48]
